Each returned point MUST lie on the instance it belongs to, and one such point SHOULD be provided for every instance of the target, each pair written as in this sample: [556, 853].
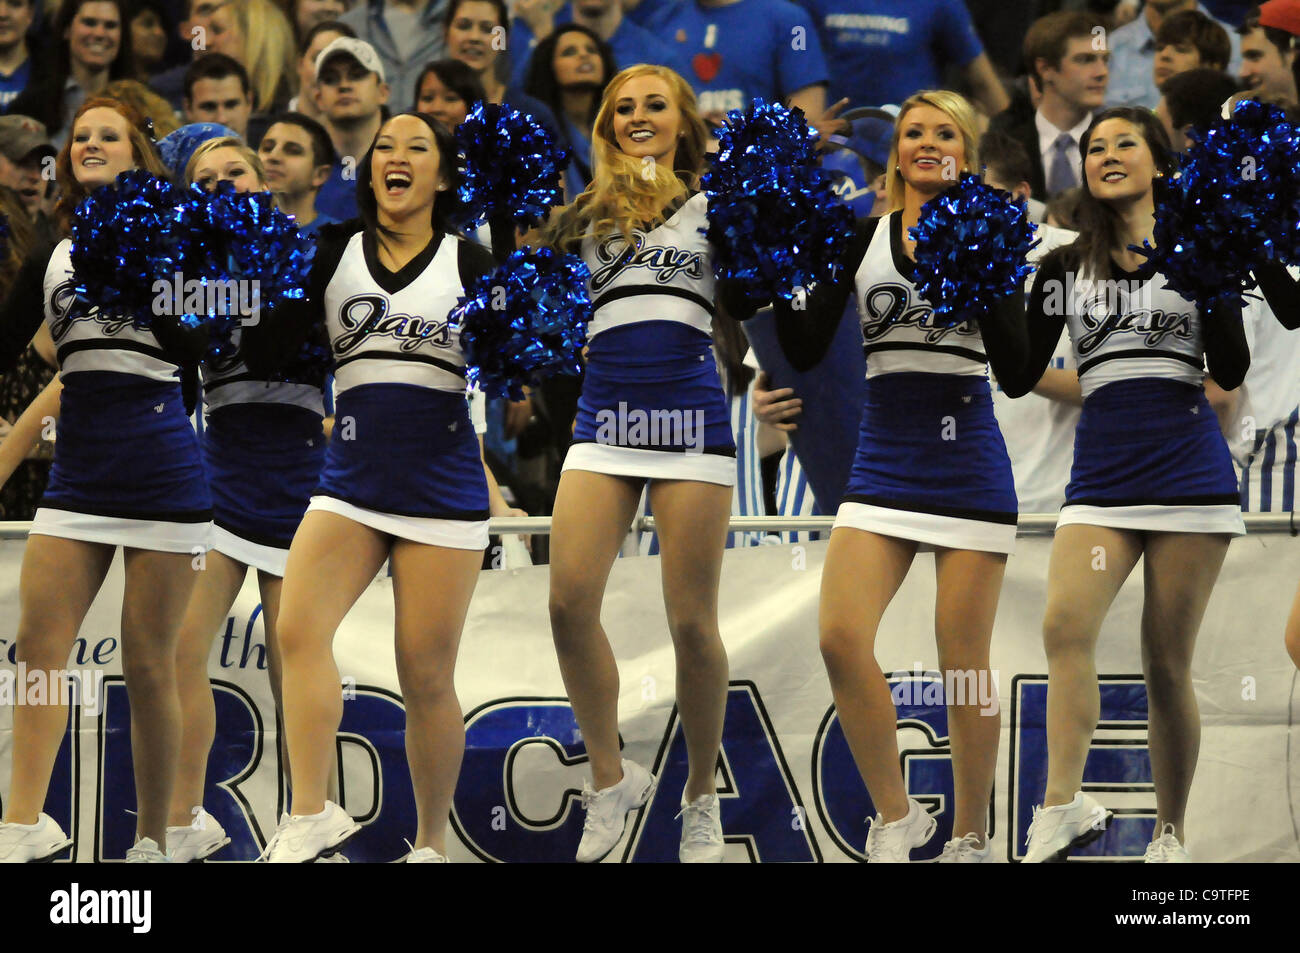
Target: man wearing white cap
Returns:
[351, 92]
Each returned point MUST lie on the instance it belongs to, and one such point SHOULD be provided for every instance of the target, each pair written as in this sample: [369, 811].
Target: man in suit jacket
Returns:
[1066, 56]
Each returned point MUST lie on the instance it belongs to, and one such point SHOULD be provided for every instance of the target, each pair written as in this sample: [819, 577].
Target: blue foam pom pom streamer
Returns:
[126, 236]
[1234, 205]
[525, 321]
[971, 246]
[255, 250]
[775, 222]
[511, 168]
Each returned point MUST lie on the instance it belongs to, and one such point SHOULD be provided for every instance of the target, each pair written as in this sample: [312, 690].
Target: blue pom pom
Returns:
[775, 222]
[1234, 205]
[511, 168]
[971, 243]
[247, 241]
[125, 237]
[525, 321]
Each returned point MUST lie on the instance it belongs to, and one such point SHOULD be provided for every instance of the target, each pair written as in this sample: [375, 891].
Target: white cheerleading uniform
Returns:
[126, 468]
[1148, 451]
[931, 465]
[652, 404]
[403, 458]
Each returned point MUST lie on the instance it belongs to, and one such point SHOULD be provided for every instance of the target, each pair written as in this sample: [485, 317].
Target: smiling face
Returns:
[95, 35]
[15, 18]
[441, 102]
[647, 120]
[405, 170]
[931, 150]
[1263, 67]
[1117, 162]
[577, 60]
[470, 35]
[100, 148]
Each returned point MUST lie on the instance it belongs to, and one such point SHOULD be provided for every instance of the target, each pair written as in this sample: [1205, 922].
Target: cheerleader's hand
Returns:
[775, 407]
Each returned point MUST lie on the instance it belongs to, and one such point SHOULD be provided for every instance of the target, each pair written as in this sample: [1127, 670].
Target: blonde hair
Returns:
[625, 192]
[270, 54]
[225, 142]
[956, 108]
[146, 102]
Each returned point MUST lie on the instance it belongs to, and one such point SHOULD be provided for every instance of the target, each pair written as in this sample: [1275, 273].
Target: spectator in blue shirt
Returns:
[882, 51]
[1133, 53]
[736, 50]
[15, 58]
[351, 93]
[298, 157]
[476, 33]
[630, 42]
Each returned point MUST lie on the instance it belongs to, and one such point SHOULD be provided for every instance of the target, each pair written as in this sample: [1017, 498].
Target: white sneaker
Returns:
[892, 843]
[425, 855]
[146, 851]
[1166, 849]
[966, 850]
[1057, 830]
[192, 843]
[302, 838]
[701, 831]
[607, 811]
[32, 843]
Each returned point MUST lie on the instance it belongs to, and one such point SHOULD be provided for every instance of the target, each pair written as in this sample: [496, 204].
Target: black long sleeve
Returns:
[1006, 338]
[24, 308]
[275, 344]
[1043, 322]
[806, 326]
[1282, 293]
[1227, 356]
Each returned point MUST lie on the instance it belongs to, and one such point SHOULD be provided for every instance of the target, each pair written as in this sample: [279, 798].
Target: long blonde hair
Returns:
[956, 108]
[623, 195]
[270, 54]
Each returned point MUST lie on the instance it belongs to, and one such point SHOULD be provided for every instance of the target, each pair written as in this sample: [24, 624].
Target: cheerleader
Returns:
[127, 473]
[402, 479]
[931, 473]
[1152, 479]
[263, 446]
[637, 227]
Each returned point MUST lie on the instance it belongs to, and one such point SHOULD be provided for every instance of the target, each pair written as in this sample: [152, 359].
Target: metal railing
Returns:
[1030, 524]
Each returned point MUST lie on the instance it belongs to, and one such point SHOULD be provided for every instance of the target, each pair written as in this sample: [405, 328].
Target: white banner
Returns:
[789, 788]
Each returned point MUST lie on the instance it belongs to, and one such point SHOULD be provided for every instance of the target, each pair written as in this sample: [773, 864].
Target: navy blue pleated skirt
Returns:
[406, 451]
[931, 464]
[1148, 454]
[263, 461]
[652, 406]
[127, 468]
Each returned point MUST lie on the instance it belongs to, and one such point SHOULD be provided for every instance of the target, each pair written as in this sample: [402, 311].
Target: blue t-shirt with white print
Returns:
[882, 51]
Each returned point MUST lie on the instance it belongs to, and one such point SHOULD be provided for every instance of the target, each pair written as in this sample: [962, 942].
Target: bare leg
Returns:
[430, 619]
[966, 602]
[692, 520]
[852, 603]
[1088, 566]
[1180, 572]
[331, 562]
[214, 593]
[60, 578]
[158, 588]
[592, 514]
